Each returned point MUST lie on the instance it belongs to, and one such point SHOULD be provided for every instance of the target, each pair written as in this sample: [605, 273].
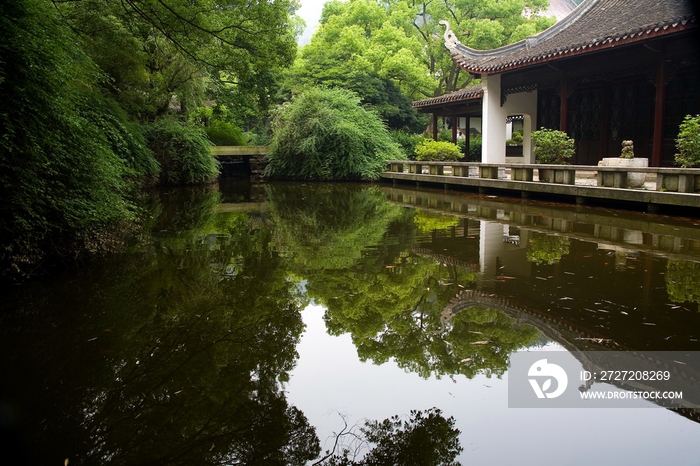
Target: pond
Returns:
[269, 324]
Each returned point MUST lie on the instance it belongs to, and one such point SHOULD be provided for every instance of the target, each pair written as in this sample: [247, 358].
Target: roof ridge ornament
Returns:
[451, 41]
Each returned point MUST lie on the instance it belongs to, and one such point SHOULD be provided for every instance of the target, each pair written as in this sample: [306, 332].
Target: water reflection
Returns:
[179, 351]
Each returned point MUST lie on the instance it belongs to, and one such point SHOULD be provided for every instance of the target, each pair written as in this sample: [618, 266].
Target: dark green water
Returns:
[248, 324]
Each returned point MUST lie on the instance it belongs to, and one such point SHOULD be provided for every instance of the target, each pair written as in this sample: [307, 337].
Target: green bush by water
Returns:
[325, 134]
[688, 142]
[183, 152]
[438, 151]
[61, 177]
[552, 146]
[407, 142]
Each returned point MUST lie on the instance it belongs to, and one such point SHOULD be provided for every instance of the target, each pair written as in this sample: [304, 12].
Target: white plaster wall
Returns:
[493, 142]
[524, 103]
[494, 135]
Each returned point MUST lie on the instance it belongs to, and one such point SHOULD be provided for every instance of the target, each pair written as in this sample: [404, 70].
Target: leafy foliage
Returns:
[552, 146]
[479, 24]
[60, 172]
[183, 152]
[407, 142]
[547, 249]
[325, 134]
[161, 53]
[475, 148]
[683, 281]
[437, 151]
[688, 142]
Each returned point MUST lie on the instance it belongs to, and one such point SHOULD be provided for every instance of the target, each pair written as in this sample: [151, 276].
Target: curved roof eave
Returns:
[543, 47]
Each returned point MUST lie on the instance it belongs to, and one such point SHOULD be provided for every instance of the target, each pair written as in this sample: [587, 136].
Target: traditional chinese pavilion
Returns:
[611, 70]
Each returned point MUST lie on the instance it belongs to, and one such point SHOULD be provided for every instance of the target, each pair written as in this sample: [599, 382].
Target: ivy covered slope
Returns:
[325, 134]
[61, 175]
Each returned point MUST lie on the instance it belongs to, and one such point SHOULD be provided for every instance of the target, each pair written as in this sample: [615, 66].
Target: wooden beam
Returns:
[660, 103]
[564, 105]
[454, 128]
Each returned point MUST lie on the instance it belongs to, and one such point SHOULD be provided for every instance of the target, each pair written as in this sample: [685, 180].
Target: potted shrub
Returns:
[627, 159]
[688, 142]
[552, 147]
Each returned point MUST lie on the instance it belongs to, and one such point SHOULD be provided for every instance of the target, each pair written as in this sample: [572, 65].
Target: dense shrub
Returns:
[183, 152]
[223, 133]
[61, 183]
[475, 148]
[688, 142]
[437, 151]
[125, 138]
[325, 134]
[407, 142]
[552, 146]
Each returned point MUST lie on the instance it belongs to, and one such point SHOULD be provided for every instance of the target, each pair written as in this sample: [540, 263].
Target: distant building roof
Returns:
[593, 25]
[469, 93]
[560, 8]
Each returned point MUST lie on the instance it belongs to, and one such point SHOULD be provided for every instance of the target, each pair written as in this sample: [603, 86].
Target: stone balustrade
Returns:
[681, 180]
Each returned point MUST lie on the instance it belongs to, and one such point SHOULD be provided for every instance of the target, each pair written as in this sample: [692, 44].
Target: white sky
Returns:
[311, 12]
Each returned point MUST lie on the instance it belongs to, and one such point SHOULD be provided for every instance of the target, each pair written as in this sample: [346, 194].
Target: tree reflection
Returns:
[328, 226]
[180, 360]
[427, 439]
[683, 281]
[390, 301]
[547, 249]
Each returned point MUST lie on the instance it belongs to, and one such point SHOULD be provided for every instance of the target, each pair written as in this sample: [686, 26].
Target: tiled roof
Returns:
[593, 25]
[469, 93]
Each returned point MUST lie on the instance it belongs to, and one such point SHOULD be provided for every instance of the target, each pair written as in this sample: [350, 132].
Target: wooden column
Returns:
[564, 104]
[467, 139]
[454, 128]
[660, 103]
[435, 130]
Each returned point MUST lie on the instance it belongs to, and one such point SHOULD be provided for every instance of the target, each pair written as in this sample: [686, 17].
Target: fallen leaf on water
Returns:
[465, 360]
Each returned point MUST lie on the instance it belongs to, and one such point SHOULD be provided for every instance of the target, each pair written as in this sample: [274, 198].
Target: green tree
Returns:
[324, 134]
[61, 180]
[357, 39]
[478, 24]
[160, 53]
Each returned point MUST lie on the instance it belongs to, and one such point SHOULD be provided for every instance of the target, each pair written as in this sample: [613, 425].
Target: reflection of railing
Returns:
[472, 267]
[512, 239]
[588, 348]
[662, 236]
[673, 186]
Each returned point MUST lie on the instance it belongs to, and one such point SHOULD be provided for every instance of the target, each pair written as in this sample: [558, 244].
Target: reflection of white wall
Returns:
[494, 249]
